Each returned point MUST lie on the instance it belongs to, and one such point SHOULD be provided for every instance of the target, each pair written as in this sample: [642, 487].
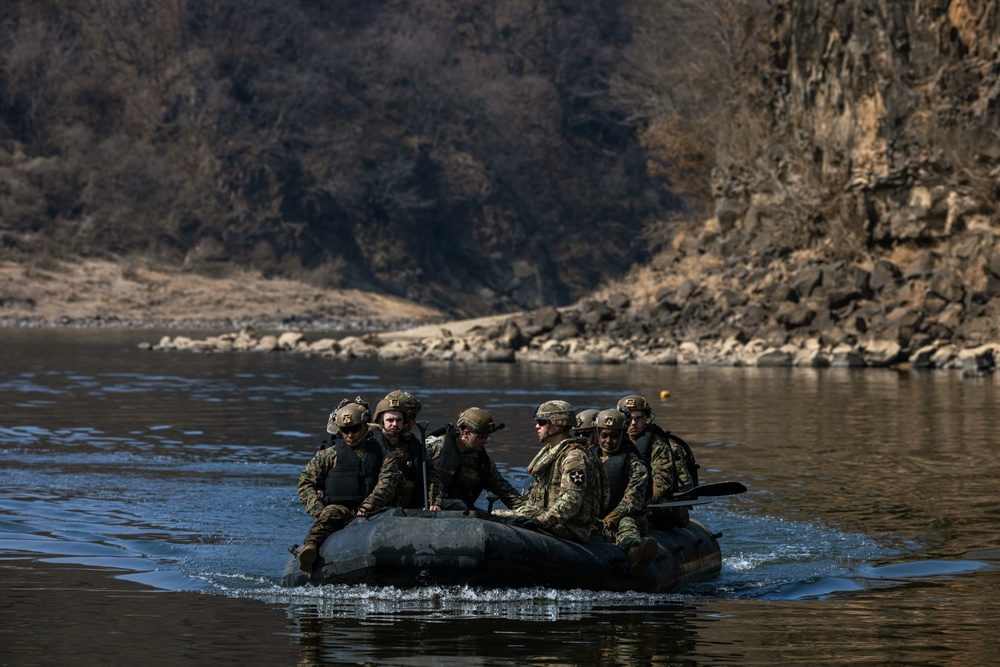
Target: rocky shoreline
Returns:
[552, 335]
[697, 303]
[700, 303]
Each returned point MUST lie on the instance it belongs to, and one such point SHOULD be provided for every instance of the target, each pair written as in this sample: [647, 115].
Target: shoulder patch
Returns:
[577, 478]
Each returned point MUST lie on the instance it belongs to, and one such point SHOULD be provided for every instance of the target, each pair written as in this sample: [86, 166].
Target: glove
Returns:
[527, 522]
[659, 493]
[611, 522]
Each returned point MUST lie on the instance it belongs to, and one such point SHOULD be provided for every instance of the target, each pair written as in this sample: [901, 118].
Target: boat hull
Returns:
[409, 548]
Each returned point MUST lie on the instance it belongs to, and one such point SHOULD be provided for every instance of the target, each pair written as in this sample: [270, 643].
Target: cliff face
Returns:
[887, 110]
[896, 105]
[856, 189]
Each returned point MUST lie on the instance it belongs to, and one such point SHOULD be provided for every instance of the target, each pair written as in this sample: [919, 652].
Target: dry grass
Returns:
[100, 289]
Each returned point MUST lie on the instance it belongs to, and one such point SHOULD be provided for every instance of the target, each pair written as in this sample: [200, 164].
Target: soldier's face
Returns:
[472, 441]
[393, 422]
[545, 429]
[609, 440]
[353, 435]
[637, 422]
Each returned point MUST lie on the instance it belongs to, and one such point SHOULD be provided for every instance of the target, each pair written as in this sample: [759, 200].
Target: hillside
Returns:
[734, 169]
[473, 157]
[98, 293]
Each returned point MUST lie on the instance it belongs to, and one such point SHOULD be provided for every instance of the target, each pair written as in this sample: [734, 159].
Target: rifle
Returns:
[423, 462]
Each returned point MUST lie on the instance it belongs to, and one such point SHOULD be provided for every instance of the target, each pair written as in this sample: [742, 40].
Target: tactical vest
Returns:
[644, 445]
[450, 462]
[352, 480]
[617, 471]
[411, 467]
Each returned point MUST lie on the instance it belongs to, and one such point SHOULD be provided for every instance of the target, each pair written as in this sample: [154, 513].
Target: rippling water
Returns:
[868, 534]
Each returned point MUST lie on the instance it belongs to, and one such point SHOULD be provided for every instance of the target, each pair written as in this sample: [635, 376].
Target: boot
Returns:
[307, 556]
[641, 555]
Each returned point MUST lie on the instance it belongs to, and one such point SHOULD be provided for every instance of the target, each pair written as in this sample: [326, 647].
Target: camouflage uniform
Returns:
[409, 495]
[331, 518]
[467, 477]
[568, 489]
[627, 518]
[670, 477]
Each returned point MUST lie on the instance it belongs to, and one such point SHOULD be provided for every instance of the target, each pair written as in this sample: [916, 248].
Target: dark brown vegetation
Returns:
[478, 156]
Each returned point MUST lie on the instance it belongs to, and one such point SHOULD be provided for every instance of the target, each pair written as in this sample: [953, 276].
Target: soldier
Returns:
[585, 427]
[670, 460]
[391, 432]
[466, 470]
[569, 486]
[352, 477]
[409, 404]
[628, 478]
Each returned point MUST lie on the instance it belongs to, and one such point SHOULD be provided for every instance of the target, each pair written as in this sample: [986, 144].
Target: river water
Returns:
[147, 502]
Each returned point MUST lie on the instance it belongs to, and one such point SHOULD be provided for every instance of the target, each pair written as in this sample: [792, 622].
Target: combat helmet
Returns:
[407, 402]
[633, 402]
[349, 413]
[556, 412]
[585, 420]
[388, 404]
[611, 420]
[478, 421]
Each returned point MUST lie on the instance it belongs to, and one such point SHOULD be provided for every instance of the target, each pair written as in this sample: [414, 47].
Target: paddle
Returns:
[683, 503]
[713, 489]
[709, 491]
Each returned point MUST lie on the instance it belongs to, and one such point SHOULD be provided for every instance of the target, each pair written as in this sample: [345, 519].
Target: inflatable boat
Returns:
[410, 548]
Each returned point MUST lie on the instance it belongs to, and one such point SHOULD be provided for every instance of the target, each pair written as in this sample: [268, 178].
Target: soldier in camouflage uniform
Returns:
[628, 479]
[409, 404]
[391, 430]
[585, 427]
[352, 477]
[669, 458]
[459, 455]
[569, 486]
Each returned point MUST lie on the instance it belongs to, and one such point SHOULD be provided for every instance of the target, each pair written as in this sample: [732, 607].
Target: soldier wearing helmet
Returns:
[394, 417]
[584, 427]
[352, 477]
[569, 486]
[670, 460]
[628, 479]
[458, 454]
[409, 405]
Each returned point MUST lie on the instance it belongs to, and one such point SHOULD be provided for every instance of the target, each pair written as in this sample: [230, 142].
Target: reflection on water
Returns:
[618, 637]
[871, 494]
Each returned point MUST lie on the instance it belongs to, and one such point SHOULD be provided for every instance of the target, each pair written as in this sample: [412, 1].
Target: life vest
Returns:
[352, 480]
[413, 467]
[411, 489]
[644, 445]
[617, 471]
[450, 462]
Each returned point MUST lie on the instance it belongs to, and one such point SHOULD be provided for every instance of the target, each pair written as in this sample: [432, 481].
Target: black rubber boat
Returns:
[409, 548]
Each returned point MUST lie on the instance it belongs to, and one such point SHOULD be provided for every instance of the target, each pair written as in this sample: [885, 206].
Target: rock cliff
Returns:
[856, 189]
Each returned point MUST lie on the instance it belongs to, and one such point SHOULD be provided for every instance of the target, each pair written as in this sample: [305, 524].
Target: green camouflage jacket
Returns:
[312, 481]
[568, 489]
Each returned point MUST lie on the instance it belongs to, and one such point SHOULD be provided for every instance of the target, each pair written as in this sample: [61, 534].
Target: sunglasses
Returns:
[542, 422]
[351, 429]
